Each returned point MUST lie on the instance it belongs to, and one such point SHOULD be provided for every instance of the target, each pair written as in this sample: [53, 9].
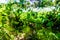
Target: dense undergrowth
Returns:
[18, 25]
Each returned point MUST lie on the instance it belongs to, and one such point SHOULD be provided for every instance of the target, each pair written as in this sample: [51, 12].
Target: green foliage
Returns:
[16, 24]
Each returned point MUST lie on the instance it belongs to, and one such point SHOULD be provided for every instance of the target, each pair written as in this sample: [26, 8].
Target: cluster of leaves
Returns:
[18, 25]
